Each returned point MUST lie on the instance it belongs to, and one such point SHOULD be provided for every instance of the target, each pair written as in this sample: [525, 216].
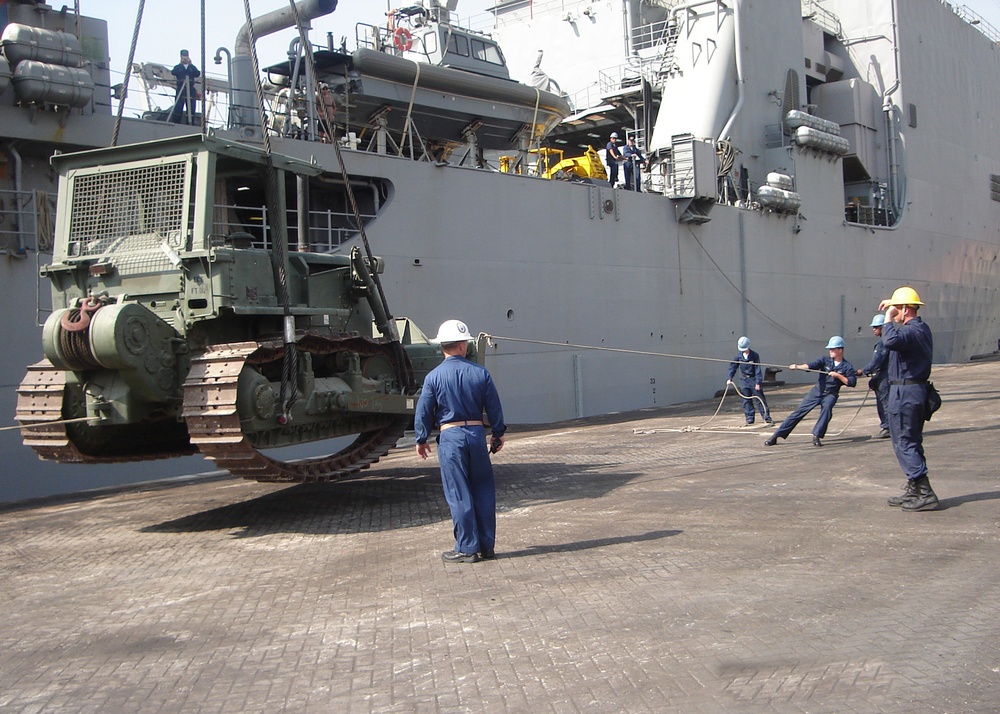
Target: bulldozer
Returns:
[180, 325]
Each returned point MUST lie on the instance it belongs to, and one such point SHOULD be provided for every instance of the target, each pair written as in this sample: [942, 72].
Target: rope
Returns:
[740, 292]
[48, 423]
[732, 430]
[534, 121]
[493, 339]
[409, 110]
[128, 72]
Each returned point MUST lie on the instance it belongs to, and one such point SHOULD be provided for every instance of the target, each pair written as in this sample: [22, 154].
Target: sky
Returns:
[170, 25]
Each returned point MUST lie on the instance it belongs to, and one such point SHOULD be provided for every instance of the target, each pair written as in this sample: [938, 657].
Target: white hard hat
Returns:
[614, 135]
[743, 343]
[453, 331]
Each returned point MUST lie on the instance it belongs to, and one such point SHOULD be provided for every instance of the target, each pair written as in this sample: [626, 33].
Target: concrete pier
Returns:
[643, 566]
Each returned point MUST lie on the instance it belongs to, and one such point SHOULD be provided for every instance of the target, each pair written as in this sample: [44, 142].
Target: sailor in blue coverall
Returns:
[185, 73]
[455, 394]
[879, 382]
[834, 372]
[911, 348]
[747, 363]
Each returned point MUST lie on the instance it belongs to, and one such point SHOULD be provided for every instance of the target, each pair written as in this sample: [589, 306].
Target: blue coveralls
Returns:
[184, 99]
[460, 390]
[824, 395]
[879, 382]
[911, 348]
[751, 376]
[612, 156]
[633, 174]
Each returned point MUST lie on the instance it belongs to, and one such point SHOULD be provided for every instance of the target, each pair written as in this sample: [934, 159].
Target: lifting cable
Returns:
[389, 329]
[279, 235]
[128, 72]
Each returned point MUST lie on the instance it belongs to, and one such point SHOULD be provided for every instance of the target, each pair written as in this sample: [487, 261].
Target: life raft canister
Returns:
[402, 39]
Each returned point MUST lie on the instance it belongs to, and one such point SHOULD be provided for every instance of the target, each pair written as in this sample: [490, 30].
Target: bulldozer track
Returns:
[210, 412]
[213, 421]
[40, 406]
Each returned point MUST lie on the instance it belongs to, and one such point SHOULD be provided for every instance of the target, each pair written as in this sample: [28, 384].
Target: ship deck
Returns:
[640, 568]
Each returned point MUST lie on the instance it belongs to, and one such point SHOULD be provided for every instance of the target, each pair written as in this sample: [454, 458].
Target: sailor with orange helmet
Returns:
[911, 348]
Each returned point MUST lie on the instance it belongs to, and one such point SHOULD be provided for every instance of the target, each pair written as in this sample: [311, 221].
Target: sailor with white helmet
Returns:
[455, 395]
[911, 348]
[879, 382]
[834, 372]
[747, 363]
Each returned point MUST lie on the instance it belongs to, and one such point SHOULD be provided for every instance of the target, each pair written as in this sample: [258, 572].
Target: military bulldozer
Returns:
[178, 327]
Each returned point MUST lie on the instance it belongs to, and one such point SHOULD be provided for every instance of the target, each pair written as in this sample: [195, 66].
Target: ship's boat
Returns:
[421, 81]
[171, 333]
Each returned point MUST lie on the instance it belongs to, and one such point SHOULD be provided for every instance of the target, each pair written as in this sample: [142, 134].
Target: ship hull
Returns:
[547, 262]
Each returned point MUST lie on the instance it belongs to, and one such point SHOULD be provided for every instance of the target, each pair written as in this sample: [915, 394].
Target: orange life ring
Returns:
[402, 39]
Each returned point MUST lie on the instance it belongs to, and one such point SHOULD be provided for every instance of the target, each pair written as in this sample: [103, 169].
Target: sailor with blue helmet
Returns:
[747, 363]
[879, 382]
[834, 373]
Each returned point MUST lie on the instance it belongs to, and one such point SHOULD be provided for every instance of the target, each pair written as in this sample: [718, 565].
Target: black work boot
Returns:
[925, 500]
[909, 493]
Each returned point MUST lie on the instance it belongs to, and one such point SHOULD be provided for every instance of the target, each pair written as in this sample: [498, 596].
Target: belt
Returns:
[906, 382]
[477, 422]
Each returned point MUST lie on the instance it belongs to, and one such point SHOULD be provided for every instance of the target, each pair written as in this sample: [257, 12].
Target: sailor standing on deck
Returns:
[455, 395]
[834, 372]
[747, 363]
[185, 73]
[613, 156]
[634, 160]
[911, 348]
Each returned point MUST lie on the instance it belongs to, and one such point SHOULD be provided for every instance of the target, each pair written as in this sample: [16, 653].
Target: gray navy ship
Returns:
[803, 159]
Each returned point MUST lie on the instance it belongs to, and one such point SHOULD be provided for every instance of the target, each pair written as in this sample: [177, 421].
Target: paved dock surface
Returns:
[641, 568]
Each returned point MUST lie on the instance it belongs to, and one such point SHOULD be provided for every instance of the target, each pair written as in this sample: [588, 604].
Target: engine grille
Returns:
[130, 210]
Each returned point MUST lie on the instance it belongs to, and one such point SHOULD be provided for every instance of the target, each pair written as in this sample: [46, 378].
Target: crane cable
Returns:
[279, 240]
[128, 71]
[404, 375]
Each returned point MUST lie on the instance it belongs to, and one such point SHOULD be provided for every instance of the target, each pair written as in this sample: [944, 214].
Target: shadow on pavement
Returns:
[397, 498]
[586, 544]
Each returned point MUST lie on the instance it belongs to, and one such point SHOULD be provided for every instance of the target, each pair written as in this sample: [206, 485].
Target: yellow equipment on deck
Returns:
[552, 165]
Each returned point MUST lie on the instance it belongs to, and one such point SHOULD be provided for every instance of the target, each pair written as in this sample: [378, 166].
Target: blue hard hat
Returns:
[743, 343]
[878, 320]
[835, 342]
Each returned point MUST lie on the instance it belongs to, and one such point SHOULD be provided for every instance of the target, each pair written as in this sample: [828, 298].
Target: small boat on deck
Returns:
[424, 84]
